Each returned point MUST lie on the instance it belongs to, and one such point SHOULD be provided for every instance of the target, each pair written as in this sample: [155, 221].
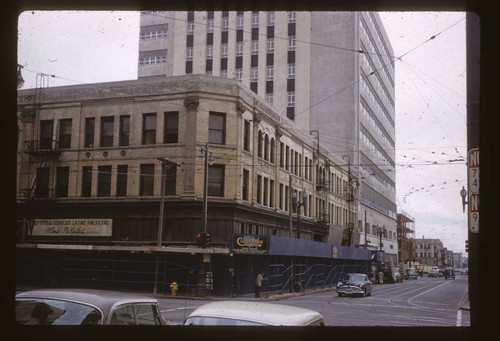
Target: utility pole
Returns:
[473, 73]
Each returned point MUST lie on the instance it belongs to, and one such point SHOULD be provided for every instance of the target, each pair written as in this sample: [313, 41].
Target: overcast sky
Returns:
[431, 137]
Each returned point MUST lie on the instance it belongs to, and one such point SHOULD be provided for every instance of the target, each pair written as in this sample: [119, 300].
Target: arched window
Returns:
[259, 144]
[273, 147]
[266, 147]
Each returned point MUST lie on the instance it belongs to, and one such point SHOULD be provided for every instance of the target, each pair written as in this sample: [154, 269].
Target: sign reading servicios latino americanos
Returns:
[72, 227]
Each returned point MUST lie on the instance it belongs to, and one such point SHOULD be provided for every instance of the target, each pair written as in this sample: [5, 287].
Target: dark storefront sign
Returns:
[72, 227]
[249, 244]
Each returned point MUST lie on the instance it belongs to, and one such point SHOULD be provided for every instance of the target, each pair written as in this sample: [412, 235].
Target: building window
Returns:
[86, 181]
[62, 180]
[291, 99]
[210, 51]
[189, 53]
[42, 182]
[259, 189]
[254, 74]
[255, 47]
[291, 43]
[152, 57]
[46, 127]
[259, 144]
[270, 98]
[210, 25]
[121, 180]
[65, 133]
[89, 132]
[223, 73]
[223, 52]
[246, 178]
[190, 29]
[103, 181]
[255, 19]
[270, 18]
[107, 130]
[225, 24]
[271, 193]
[124, 130]
[171, 127]
[217, 127]
[239, 48]
[292, 17]
[154, 32]
[147, 181]
[171, 181]
[272, 147]
[270, 45]
[239, 74]
[270, 72]
[216, 181]
[246, 135]
[281, 197]
[266, 147]
[239, 22]
[149, 128]
[265, 191]
[291, 71]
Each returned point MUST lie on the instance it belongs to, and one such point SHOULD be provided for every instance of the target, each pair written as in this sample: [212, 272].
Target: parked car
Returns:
[247, 313]
[398, 278]
[86, 307]
[411, 273]
[449, 273]
[354, 284]
[433, 273]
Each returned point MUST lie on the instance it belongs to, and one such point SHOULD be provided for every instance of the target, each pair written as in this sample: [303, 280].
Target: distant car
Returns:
[411, 273]
[86, 307]
[247, 313]
[449, 273]
[397, 276]
[433, 273]
[354, 284]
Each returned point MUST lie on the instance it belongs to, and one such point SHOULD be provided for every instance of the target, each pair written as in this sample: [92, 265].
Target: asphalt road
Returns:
[431, 302]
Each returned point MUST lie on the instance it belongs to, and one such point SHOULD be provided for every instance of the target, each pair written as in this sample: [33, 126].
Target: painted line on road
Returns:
[424, 292]
[459, 318]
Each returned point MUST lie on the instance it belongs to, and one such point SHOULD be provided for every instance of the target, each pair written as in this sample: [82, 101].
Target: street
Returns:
[432, 302]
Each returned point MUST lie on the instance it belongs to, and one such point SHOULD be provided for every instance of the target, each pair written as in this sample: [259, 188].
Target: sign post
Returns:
[473, 186]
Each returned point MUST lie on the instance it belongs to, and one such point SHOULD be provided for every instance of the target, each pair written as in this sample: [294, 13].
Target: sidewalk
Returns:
[464, 303]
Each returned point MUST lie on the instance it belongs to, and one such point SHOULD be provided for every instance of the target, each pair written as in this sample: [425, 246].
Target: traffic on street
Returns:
[427, 301]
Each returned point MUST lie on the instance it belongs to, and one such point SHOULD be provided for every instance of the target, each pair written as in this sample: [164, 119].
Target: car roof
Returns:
[103, 299]
[260, 312]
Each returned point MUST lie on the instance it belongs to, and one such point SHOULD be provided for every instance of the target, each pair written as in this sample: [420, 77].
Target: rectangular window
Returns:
[223, 51]
[124, 130]
[171, 127]
[216, 181]
[189, 53]
[46, 127]
[154, 32]
[265, 191]
[281, 197]
[269, 72]
[291, 43]
[107, 130]
[225, 24]
[292, 17]
[270, 45]
[103, 181]
[62, 180]
[86, 181]
[246, 178]
[121, 180]
[152, 57]
[64, 133]
[239, 22]
[210, 51]
[210, 25]
[270, 98]
[246, 135]
[254, 74]
[190, 29]
[42, 182]
[271, 193]
[259, 189]
[217, 127]
[255, 19]
[239, 74]
[291, 71]
[149, 128]
[255, 47]
[171, 181]
[89, 132]
[146, 185]
[291, 99]
[239, 48]
[270, 18]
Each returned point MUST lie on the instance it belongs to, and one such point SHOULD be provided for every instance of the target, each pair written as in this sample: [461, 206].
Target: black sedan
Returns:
[354, 284]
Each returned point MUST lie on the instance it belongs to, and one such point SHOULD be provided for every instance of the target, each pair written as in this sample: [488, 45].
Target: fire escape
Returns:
[323, 188]
[40, 148]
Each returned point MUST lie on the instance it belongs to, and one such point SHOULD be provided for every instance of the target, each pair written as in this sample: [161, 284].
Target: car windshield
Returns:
[38, 311]
[354, 279]
[410, 271]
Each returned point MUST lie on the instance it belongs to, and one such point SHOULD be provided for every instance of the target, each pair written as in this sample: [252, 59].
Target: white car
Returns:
[243, 313]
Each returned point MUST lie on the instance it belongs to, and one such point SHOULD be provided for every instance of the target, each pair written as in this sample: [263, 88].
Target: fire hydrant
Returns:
[174, 286]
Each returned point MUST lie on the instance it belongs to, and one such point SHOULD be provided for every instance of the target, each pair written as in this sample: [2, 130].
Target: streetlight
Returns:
[297, 206]
[207, 157]
[166, 165]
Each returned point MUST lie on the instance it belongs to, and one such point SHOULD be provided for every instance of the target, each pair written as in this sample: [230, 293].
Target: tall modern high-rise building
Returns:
[332, 73]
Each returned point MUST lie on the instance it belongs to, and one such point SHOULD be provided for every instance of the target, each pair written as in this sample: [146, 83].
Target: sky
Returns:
[431, 137]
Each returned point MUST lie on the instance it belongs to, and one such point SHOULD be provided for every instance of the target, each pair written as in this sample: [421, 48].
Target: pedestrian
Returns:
[258, 283]
[381, 277]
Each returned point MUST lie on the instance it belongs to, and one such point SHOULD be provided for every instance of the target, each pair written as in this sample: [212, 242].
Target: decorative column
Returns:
[191, 104]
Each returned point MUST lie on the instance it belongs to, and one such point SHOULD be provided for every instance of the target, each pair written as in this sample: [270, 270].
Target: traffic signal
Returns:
[203, 239]
[207, 239]
[199, 240]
